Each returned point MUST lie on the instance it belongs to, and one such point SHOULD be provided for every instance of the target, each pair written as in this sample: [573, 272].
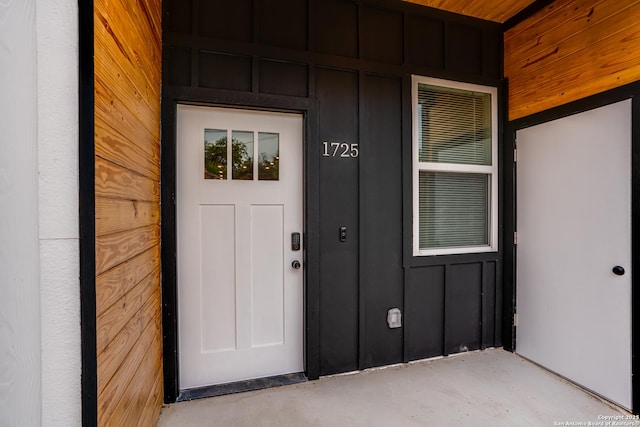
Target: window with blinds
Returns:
[455, 171]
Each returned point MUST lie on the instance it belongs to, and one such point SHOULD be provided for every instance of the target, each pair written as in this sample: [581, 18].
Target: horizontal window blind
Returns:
[454, 126]
[453, 209]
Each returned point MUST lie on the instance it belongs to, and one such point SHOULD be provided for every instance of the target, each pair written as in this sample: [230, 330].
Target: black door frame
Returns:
[220, 98]
[631, 91]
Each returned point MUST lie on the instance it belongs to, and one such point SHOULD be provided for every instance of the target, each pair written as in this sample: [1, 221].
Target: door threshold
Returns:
[241, 386]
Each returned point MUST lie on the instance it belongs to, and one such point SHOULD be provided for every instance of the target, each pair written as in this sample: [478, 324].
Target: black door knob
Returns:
[296, 264]
[618, 270]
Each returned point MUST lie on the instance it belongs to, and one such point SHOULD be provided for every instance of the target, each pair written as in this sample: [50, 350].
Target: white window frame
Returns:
[491, 171]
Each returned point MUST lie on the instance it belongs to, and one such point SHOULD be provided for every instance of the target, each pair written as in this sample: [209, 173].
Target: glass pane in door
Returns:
[268, 156]
[215, 154]
[242, 155]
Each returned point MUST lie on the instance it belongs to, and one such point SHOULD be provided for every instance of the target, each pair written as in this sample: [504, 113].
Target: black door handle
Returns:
[296, 264]
[618, 270]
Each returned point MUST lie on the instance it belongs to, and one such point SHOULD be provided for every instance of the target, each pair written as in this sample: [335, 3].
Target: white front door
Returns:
[239, 200]
[574, 228]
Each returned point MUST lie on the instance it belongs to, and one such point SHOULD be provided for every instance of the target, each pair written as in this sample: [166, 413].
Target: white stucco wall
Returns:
[40, 355]
[57, 47]
[20, 364]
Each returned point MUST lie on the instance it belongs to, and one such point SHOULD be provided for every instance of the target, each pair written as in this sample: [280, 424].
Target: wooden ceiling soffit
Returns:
[490, 10]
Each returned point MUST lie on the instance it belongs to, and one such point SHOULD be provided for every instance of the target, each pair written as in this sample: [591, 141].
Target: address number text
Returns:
[339, 149]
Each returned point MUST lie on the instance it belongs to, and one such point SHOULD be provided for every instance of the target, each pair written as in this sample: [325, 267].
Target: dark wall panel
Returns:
[464, 49]
[498, 307]
[424, 312]
[227, 20]
[425, 42]
[463, 307]
[177, 16]
[489, 304]
[284, 78]
[492, 49]
[335, 27]
[347, 65]
[223, 71]
[384, 35]
[283, 23]
[178, 71]
[381, 218]
[337, 93]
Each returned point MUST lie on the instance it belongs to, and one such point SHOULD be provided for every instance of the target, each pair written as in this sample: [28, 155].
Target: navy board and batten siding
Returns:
[347, 66]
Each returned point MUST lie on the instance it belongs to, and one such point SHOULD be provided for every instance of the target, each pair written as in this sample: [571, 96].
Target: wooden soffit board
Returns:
[491, 10]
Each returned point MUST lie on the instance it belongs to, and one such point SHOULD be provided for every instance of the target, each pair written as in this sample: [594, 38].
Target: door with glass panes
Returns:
[239, 211]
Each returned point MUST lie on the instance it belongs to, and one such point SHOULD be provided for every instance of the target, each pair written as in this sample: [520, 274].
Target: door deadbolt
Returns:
[296, 264]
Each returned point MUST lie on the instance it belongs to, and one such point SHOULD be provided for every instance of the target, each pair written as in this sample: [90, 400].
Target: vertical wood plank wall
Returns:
[127, 189]
[569, 50]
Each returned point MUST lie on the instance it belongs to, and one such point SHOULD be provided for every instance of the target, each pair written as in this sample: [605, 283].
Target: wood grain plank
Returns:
[115, 249]
[154, 9]
[114, 284]
[134, 334]
[131, 405]
[112, 145]
[603, 57]
[125, 116]
[146, 27]
[128, 115]
[572, 92]
[584, 56]
[118, 215]
[133, 37]
[135, 375]
[604, 66]
[497, 13]
[111, 322]
[118, 78]
[127, 61]
[483, 9]
[114, 181]
[124, 24]
[148, 30]
[151, 410]
[118, 101]
[125, 125]
[122, 103]
[536, 38]
[599, 22]
[536, 19]
[552, 16]
[126, 39]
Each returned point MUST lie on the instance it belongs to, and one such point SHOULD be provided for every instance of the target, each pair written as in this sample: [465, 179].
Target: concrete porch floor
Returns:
[488, 388]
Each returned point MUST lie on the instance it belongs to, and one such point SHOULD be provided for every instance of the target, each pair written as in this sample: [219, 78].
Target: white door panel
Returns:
[240, 300]
[574, 226]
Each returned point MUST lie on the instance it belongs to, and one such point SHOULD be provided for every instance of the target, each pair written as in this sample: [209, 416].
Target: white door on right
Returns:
[574, 248]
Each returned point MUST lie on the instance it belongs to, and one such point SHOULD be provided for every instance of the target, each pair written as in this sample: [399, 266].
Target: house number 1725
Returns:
[339, 149]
